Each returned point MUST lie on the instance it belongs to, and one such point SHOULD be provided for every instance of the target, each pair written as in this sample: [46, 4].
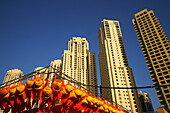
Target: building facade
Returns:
[92, 73]
[114, 68]
[156, 50]
[79, 64]
[145, 102]
[54, 69]
[38, 72]
[12, 75]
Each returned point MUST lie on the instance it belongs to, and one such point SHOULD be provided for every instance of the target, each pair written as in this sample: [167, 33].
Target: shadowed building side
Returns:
[145, 102]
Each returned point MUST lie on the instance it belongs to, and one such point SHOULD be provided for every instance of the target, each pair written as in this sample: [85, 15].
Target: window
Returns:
[165, 72]
[162, 65]
[168, 96]
[163, 82]
[156, 66]
[159, 74]
[154, 59]
[164, 87]
[168, 81]
[166, 91]
[161, 78]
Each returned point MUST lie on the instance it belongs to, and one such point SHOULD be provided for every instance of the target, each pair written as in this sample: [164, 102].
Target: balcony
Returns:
[145, 54]
[157, 91]
[151, 71]
[148, 61]
[161, 100]
[159, 96]
[155, 82]
[143, 49]
[153, 75]
[150, 68]
[149, 64]
[163, 105]
[142, 45]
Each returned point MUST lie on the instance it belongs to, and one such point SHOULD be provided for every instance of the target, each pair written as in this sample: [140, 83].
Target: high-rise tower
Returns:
[156, 50]
[12, 75]
[50, 71]
[145, 102]
[114, 67]
[56, 67]
[79, 63]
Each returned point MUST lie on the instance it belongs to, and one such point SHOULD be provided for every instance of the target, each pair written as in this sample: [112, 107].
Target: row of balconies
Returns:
[143, 48]
[147, 61]
[140, 39]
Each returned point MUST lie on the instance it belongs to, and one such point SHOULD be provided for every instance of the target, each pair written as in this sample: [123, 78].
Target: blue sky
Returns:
[35, 32]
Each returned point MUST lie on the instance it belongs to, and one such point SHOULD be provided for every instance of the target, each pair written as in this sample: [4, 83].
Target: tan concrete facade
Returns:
[156, 50]
[114, 67]
[79, 63]
[11, 75]
[39, 71]
[57, 67]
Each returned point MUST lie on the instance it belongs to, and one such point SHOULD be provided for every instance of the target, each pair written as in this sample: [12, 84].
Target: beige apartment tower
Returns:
[50, 71]
[56, 67]
[156, 50]
[114, 68]
[80, 64]
[13, 76]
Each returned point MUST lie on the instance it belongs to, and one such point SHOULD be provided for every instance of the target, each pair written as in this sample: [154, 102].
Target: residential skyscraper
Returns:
[50, 71]
[54, 69]
[79, 64]
[57, 64]
[145, 102]
[114, 68]
[12, 75]
[156, 50]
[38, 72]
[92, 72]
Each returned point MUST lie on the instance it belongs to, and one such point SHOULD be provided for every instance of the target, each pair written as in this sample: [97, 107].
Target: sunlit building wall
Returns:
[156, 50]
[51, 71]
[114, 68]
[55, 68]
[41, 70]
[79, 64]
